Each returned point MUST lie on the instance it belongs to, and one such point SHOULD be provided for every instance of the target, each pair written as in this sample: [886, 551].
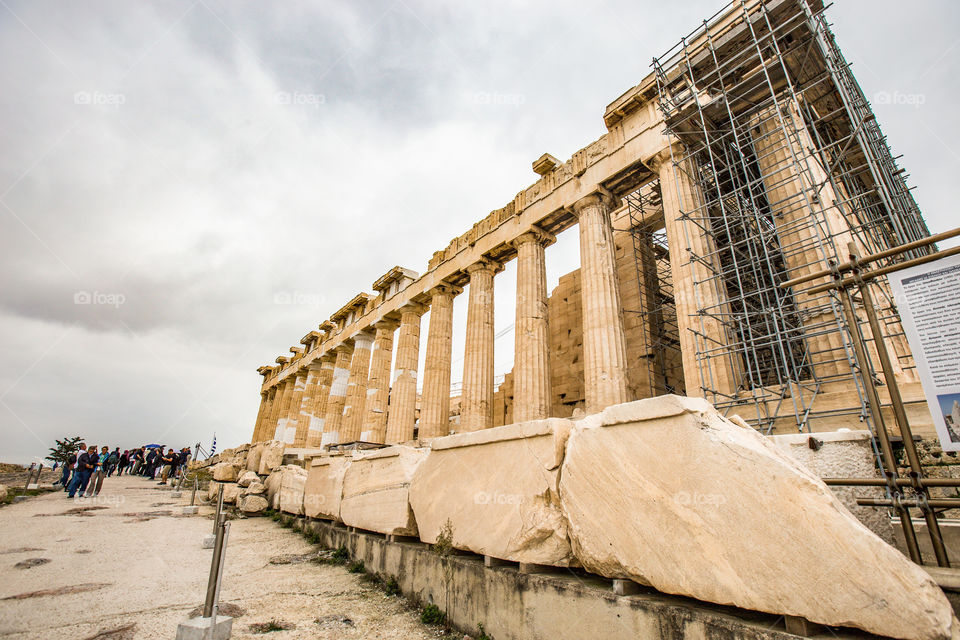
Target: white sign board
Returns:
[928, 297]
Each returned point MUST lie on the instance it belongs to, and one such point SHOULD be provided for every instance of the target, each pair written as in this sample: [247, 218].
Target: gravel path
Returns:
[128, 558]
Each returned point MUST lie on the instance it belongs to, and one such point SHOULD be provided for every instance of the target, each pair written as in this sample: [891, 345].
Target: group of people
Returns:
[85, 469]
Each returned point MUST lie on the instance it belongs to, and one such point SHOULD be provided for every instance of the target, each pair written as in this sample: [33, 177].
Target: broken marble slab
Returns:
[292, 481]
[495, 492]
[271, 457]
[376, 490]
[324, 488]
[668, 493]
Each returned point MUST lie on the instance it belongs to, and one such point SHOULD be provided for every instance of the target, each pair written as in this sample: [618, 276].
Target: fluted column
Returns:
[357, 387]
[695, 285]
[374, 427]
[293, 413]
[402, 412]
[258, 423]
[604, 345]
[306, 405]
[435, 402]
[319, 410]
[476, 406]
[283, 407]
[338, 394]
[531, 366]
[264, 427]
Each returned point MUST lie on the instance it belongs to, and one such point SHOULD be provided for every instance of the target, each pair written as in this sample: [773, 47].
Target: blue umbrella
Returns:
[154, 446]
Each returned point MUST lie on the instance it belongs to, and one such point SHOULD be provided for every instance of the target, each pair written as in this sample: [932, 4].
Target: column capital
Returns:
[447, 288]
[600, 197]
[344, 347]
[535, 234]
[386, 324]
[413, 307]
[667, 154]
[485, 264]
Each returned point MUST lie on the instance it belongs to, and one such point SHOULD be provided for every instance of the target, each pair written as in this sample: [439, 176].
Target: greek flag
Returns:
[213, 445]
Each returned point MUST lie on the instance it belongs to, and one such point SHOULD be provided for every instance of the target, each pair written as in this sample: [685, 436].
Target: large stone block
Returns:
[272, 484]
[247, 478]
[324, 489]
[226, 472]
[376, 490]
[292, 481]
[499, 490]
[231, 491]
[667, 492]
[252, 504]
[253, 457]
[271, 457]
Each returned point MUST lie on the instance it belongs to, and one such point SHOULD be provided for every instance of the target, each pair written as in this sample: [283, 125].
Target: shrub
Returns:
[356, 566]
[431, 614]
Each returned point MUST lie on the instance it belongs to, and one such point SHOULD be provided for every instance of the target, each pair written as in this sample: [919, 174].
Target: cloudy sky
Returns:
[186, 188]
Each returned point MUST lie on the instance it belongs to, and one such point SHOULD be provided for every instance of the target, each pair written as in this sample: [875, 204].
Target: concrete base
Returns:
[33, 486]
[801, 627]
[199, 629]
[19, 498]
[561, 604]
[175, 494]
[208, 541]
[191, 510]
[625, 587]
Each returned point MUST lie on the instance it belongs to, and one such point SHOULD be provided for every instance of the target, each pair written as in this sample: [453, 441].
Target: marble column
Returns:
[258, 423]
[338, 394]
[695, 285]
[531, 366]
[306, 405]
[435, 403]
[283, 407]
[476, 405]
[374, 427]
[604, 345]
[353, 410]
[319, 410]
[266, 427]
[293, 413]
[402, 411]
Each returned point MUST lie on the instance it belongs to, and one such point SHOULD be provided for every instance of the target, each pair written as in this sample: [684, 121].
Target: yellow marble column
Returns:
[307, 401]
[293, 413]
[258, 424]
[378, 385]
[353, 410]
[283, 407]
[319, 410]
[695, 286]
[338, 394]
[531, 365]
[402, 412]
[604, 345]
[435, 403]
[476, 405]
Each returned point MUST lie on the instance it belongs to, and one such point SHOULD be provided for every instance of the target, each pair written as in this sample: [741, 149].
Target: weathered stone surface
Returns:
[842, 454]
[272, 484]
[292, 481]
[212, 490]
[247, 478]
[226, 472]
[324, 487]
[254, 489]
[271, 457]
[253, 457]
[231, 491]
[3, 491]
[667, 492]
[252, 504]
[499, 489]
[376, 490]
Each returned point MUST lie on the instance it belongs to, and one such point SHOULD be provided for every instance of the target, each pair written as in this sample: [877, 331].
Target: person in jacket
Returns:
[86, 463]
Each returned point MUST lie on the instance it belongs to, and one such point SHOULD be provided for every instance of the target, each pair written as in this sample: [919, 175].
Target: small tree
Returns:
[61, 452]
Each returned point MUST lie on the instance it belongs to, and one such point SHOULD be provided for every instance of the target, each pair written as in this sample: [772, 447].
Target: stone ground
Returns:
[132, 559]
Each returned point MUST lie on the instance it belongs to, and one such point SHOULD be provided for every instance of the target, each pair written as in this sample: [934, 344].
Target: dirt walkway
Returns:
[129, 558]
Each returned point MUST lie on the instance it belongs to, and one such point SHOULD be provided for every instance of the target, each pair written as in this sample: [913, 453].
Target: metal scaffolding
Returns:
[788, 166]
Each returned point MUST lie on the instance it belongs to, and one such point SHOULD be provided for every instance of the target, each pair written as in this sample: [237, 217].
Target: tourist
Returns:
[168, 461]
[99, 472]
[68, 467]
[113, 461]
[124, 461]
[86, 463]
